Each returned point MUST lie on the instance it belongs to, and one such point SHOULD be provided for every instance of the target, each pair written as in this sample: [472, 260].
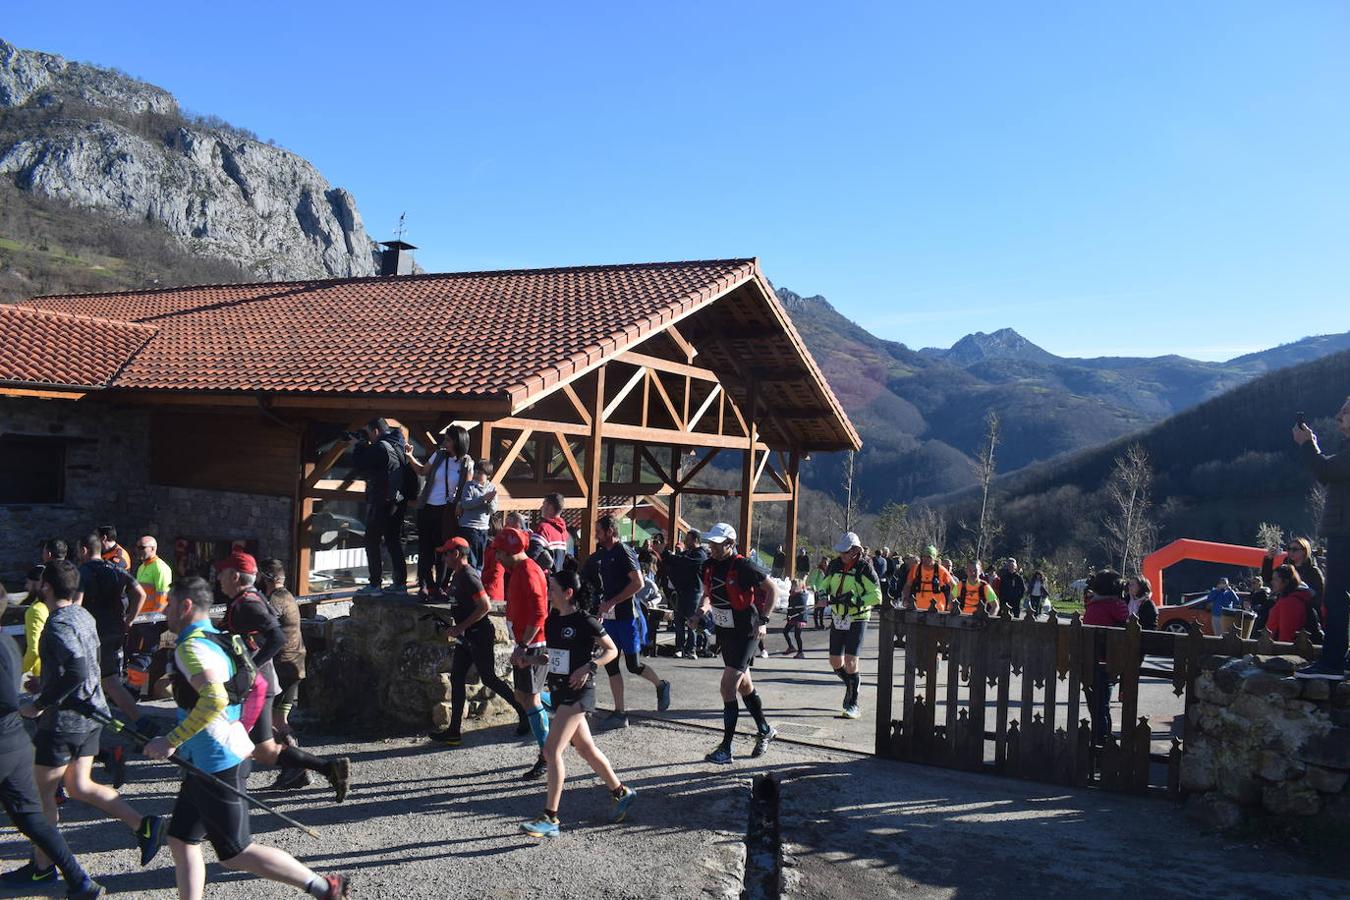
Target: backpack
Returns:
[246, 688]
[408, 484]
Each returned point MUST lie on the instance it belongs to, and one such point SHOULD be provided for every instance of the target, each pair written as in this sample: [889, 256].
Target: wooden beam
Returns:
[665, 398]
[646, 397]
[698, 467]
[615, 431]
[759, 467]
[392, 406]
[689, 350]
[570, 393]
[748, 475]
[772, 498]
[592, 473]
[572, 465]
[778, 479]
[302, 516]
[736, 411]
[328, 460]
[543, 425]
[656, 466]
[613, 404]
[40, 394]
[676, 457]
[703, 407]
[514, 452]
[666, 365]
[793, 485]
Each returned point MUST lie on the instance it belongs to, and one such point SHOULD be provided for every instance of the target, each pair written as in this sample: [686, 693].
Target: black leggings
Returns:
[475, 649]
[789, 631]
[19, 795]
[631, 660]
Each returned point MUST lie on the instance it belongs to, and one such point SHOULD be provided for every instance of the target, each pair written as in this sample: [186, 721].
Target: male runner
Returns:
[66, 741]
[211, 737]
[103, 591]
[929, 582]
[526, 610]
[615, 566]
[739, 595]
[851, 589]
[250, 616]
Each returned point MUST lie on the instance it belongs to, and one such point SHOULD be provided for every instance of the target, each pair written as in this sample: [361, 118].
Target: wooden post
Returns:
[748, 471]
[790, 539]
[885, 669]
[483, 450]
[673, 539]
[302, 517]
[593, 452]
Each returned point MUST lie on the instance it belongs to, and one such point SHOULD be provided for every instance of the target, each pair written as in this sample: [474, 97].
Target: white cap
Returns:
[720, 533]
[847, 542]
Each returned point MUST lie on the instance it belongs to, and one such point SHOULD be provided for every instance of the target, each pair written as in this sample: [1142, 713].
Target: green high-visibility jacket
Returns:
[852, 593]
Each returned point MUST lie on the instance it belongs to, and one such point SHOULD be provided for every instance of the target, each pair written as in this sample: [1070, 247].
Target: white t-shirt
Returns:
[445, 478]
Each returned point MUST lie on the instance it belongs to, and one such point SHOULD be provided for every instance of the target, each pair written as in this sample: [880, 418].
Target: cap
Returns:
[455, 543]
[721, 533]
[240, 562]
[847, 541]
[510, 541]
[930, 550]
[694, 533]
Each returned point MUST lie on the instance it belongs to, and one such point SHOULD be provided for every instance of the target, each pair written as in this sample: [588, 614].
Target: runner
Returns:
[289, 665]
[739, 595]
[614, 567]
[475, 635]
[103, 590]
[851, 589]
[211, 737]
[66, 741]
[250, 616]
[572, 638]
[19, 793]
[526, 610]
[973, 591]
[110, 550]
[929, 582]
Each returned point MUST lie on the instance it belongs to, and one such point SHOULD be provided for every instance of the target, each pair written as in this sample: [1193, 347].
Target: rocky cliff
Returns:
[99, 139]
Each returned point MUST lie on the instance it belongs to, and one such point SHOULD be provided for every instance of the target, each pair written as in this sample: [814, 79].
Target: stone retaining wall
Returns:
[385, 667]
[1267, 745]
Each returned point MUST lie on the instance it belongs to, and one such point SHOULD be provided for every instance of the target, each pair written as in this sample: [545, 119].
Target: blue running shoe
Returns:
[722, 756]
[543, 826]
[27, 874]
[622, 802]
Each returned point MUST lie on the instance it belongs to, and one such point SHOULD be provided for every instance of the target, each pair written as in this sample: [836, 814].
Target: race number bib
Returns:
[722, 617]
[843, 623]
[559, 661]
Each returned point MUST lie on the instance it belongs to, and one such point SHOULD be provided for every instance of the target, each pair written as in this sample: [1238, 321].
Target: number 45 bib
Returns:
[722, 617]
[559, 661]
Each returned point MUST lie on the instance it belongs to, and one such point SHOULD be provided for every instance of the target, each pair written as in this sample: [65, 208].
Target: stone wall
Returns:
[108, 482]
[1267, 745]
[385, 668]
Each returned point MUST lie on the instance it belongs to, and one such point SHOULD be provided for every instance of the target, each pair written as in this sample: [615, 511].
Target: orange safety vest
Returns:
[970, 595]
[929, 587]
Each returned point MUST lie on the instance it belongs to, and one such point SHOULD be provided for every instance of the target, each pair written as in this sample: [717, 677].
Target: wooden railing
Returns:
[1014, 697]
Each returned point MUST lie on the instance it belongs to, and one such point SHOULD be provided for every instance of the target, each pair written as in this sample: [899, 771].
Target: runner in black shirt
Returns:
[739, 595]
[104, 591]
[572, 637]
[469, 608]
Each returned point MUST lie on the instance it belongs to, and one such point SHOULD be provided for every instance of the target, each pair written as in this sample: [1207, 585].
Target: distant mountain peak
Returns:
[795, 302]
[979, 347]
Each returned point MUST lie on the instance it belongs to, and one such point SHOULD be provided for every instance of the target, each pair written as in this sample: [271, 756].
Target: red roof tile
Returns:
[52, 348]
[506, 333]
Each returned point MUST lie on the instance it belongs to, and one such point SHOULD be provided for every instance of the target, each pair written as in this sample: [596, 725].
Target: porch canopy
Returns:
[596, 382]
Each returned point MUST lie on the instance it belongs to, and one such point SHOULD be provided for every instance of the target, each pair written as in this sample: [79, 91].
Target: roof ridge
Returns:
[60, 314]
[424, 276]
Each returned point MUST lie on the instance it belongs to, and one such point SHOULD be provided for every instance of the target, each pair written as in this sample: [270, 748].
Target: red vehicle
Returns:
[1193, 608]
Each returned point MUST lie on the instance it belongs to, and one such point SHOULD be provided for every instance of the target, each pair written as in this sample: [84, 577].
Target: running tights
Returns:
[19, 795]
[473, 652]
[630, 660]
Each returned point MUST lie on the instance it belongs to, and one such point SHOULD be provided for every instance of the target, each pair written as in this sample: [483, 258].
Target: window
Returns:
[32, 469]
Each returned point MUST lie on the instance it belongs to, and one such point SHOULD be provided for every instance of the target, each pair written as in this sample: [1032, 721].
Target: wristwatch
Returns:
[593, 666]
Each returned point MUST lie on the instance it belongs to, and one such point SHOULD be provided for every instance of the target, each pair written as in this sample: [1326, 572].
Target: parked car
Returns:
[1194, 607]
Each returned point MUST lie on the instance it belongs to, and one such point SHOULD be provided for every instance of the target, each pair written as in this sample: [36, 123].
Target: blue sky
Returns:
[1138, 178]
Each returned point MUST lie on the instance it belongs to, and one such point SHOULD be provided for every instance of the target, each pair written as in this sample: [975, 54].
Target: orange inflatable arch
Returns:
[1204, 551]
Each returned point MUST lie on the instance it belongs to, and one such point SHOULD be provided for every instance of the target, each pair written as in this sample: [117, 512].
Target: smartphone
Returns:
[1301, 419]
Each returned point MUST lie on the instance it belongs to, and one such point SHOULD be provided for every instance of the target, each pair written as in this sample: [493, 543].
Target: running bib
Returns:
[609, 614]
[843, 623]
[559, 661]
[723, 617]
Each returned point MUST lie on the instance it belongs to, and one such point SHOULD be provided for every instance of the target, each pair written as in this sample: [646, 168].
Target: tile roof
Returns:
[506, 333]
[61, 350]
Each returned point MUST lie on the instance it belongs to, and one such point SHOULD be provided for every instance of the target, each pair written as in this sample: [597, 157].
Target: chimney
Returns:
[396, 258]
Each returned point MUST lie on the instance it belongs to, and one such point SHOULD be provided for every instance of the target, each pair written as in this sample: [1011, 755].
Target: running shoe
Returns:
[800, 655]
[27, 874]
[721, 756]
[622, 802]
[88, 890]
[764, 654]
[616, 719]
[678, 654]
[368, 590]
[663, 696]
[852, 712]
[339, 887]
[339, 775]
[116, 763]
[451, 738]
[150, 837]
[536, 771]
[543, 826]
[290, 780]
[1320, 672]
[762, 742]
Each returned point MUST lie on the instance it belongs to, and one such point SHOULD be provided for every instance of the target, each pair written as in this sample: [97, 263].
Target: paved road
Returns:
[431, 822]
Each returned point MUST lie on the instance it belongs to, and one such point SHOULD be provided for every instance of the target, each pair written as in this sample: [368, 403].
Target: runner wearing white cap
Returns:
[851, 589]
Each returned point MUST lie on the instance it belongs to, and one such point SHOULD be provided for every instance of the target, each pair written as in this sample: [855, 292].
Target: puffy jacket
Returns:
[380, 464]
[1112, 611]
[1333, 470]
[1289, 615]
[554, 532]
[853, 591]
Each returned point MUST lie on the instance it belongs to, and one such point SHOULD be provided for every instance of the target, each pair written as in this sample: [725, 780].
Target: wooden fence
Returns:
[959, 709]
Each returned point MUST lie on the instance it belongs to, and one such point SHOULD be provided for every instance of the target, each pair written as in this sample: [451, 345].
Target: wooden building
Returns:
[620, 382]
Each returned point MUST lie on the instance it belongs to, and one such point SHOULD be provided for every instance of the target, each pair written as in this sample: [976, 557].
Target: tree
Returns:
[1129, 530]
[1317, 505]
[851, 502]
[984, 469]
[1269, 536]
[893, 525]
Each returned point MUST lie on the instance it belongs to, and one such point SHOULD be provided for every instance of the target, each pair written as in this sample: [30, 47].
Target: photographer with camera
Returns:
[447, 472]
[1332, 470]
[378, 453]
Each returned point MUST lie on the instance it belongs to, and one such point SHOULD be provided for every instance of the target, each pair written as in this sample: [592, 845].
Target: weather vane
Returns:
[398, 232]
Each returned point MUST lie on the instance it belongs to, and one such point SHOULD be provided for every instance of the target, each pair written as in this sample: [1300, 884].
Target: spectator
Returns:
[1038, 592]
[882, 564]
[1140, 602]
[493, 575]
[779, 563]
[447, 472]
[289, 664]
[1105, 605]
[35, 616]
[146, 664]
[899, 576]
[1298, 553]
[1333, 471]
[647, 598]
[476, 509]
[685, 568]
[1012, 588]
[1293, 600]
[378, 453]
[553, 530]
[817, 584]
[796, 618]
[1260, 602]
[803, 566]
[112, 551]
[929, 583]
[1220, 597]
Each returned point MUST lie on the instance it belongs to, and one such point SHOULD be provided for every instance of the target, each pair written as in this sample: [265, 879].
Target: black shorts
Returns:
[566, 696]
[530, 679]
[738, 650]
[54, 749]
[262, 729]
[110, 656]
[847, 641]
[205, 810]
[144, 637]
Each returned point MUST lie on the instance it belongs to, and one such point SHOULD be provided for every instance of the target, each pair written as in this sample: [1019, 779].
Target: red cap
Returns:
[240, 562]
[510, 541]
[455, 543]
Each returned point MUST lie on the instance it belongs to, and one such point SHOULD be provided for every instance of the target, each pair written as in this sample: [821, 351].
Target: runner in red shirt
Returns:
[526, 610]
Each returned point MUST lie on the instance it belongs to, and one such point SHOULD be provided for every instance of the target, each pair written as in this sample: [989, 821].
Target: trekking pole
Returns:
[142, 740]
